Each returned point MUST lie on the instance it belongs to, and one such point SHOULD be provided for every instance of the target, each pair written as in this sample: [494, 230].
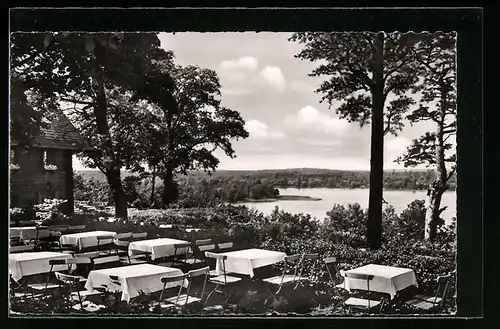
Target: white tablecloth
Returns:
[30, 263]
[28, 232]
[133, 278]
[157, 247]
[244, 261]
[85, 239]
[387, 279]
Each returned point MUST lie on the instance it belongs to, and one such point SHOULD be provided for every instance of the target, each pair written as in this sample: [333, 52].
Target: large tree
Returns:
[81, 67]
[437, 56]
[370, 74]
[189, 124]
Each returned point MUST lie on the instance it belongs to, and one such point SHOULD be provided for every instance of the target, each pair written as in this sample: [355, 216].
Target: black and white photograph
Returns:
[233, 173]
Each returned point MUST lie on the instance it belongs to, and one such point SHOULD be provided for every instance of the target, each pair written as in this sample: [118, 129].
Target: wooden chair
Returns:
[181, 254]
[334, 274]
[43, 287]
[198, 248]
[175, 300]
[38, 229]
[15, 241]
[105, 248]
[361, 303]
[309, 265]
[106, 262]
[223, 281]
[122, 251]
[286, 278]
[425, 302]
[73, 283]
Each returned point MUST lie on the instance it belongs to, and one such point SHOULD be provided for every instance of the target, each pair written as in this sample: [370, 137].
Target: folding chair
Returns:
[333, 272]
[198, 249]
[425, 302]
[361, 303]
[308, 263]
[293, 262]
[178, 258]
[43, 287]
[122, 251]
[21, 248]
[221, 281]
[73, 282]
[38, 229]
[105, 248]
[15, 241]
[175, 300]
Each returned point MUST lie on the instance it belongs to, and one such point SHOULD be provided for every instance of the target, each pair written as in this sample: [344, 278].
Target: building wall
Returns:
[32, 183]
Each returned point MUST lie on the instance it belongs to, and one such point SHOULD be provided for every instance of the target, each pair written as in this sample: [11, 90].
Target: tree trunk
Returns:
[115, 183]
[153, 184]
[374, 225]
[109, 159]
[168, 180]
[432, 217]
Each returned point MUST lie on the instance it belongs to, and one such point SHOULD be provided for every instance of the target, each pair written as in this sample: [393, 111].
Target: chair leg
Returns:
[210, 294]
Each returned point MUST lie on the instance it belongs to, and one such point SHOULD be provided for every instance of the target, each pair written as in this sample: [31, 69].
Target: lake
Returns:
[329, 196]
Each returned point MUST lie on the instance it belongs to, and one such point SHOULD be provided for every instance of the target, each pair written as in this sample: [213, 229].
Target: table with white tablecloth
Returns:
[86, 239]
[386, 279]
[133, 279]
[28, 233]
[245, 261]
[159, 248]
[31, 263]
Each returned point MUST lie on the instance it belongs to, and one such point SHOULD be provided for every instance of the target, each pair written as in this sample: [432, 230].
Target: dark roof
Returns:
[58, 134]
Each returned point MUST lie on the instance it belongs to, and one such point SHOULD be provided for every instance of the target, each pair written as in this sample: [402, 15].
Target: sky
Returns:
[288, 126]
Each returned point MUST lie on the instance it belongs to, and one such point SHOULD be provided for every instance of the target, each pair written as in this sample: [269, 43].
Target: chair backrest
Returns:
[66, 278]
[331, 267]
[218, 257]
[310, 261]
[175, 278]
[199, 272]
[41, 228]
[203, 242]
[105, 237]
[77, 228]
[442, 288]
[178, 246]
[206, 247]
[27, 223]
[90, 254]
[15, 241]
[59, 228]
[224, 246]
[121, 243]
[358, 276]
[292, 261]
[126, 235]
[140, 235]
[22, 248]
[106, 260]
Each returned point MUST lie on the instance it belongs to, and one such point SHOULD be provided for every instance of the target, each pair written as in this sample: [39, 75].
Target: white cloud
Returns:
[397, 145]
[258, 129]
[247, 63]
[272, 75]
[309, 118]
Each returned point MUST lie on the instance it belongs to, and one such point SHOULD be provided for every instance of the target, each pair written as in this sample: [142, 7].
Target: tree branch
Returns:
[77, 101]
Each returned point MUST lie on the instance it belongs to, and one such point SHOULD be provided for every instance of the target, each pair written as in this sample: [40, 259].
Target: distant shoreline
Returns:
[282, 197]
